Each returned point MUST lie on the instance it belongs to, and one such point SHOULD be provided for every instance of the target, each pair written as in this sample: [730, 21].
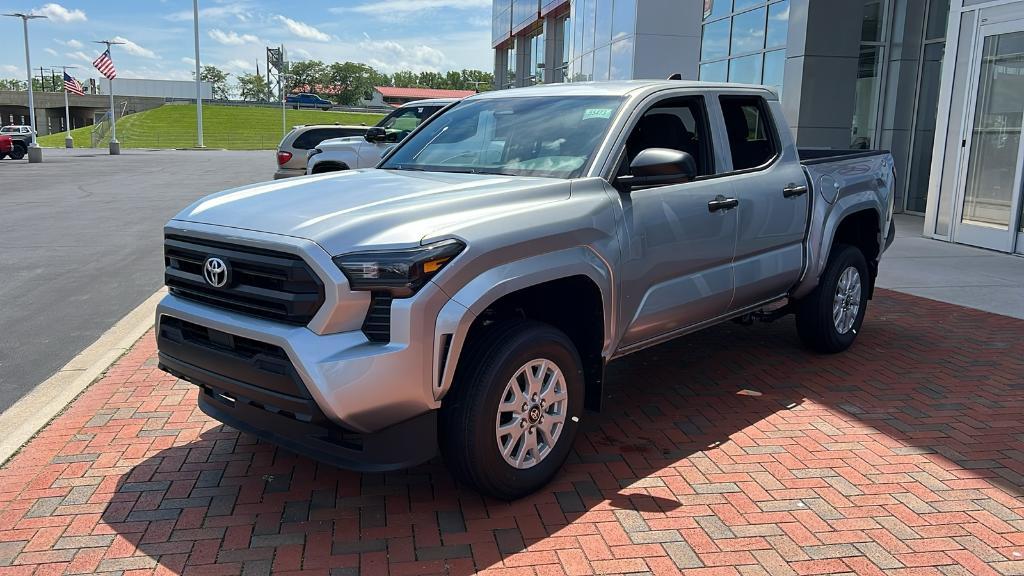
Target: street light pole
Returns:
[115, 146]
[35, 153]
[199, 83]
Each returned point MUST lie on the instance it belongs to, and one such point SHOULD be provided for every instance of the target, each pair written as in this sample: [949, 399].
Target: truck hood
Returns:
[358, 209]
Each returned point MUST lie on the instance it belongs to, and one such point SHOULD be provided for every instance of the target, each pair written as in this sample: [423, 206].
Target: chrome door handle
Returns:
[794, 190]
[722, 203]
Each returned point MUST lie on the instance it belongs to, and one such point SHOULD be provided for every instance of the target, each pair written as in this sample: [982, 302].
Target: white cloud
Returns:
[50, 51]
[241, 11]
[300, 53]
[303, 30]
[72, 43]
[58, 13]
[189, 61]
[9, 69]
[134, 49]
[240, 66]
[79, 55]
[393, 8]
[390, 56]
[232, 38]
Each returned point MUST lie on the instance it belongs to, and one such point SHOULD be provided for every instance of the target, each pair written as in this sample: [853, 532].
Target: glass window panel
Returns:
[566, 45]
[774, 69]
[744, 4]
[938, 16]
[748, 32]
[603, 23]
[602, 59]
[924, 128]
[716, 8]
[624, 19]
[622, 60]
[589, 15]
[715, 40]
[577, 28]
[715, 71]
[871, 30]
[865, 110]
[587, 67]
[778, 24]
[745, 70]
[996, 134]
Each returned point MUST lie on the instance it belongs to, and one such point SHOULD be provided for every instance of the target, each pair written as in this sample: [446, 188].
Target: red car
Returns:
[9, 147]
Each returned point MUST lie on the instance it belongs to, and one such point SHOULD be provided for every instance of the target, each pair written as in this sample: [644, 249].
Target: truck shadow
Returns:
[697, 427]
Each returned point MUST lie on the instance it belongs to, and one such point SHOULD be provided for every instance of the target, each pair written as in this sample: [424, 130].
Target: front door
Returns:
[680, 239]
[990, 206]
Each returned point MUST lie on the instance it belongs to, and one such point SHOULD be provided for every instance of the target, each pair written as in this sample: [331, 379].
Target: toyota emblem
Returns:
[215, 271]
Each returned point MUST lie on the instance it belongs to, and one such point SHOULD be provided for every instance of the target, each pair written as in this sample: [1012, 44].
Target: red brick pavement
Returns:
[903, 456]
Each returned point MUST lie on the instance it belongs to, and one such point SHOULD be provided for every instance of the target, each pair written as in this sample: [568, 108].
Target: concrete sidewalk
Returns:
[972, 277]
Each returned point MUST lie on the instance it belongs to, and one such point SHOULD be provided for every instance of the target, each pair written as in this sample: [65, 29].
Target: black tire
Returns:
[470, 411]
[325, 167]
[18, 152]
[814, 314]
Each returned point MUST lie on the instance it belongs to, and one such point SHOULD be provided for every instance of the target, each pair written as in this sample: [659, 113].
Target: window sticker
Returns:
[605, 113]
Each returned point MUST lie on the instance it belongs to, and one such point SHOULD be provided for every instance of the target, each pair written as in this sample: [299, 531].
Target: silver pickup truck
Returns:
[466, 295]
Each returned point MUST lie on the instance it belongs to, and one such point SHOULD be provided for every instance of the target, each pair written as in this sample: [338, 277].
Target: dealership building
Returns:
[940, 83]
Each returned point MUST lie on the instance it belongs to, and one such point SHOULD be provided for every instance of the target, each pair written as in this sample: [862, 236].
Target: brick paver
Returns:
[732, 451]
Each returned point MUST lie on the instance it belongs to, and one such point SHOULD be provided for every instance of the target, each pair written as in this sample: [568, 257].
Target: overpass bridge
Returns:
[85, 110]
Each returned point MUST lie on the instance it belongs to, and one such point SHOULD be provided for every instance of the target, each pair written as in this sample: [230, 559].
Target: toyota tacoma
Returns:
[465, 296]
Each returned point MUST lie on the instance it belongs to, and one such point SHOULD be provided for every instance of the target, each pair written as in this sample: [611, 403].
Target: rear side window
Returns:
[311, 138]
[748, 123]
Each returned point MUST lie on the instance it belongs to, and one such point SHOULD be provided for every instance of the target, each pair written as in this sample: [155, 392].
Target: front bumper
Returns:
[254, 387]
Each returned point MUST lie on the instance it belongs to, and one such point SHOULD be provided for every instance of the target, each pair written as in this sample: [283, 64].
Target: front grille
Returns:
[264, 283]
[377, 324]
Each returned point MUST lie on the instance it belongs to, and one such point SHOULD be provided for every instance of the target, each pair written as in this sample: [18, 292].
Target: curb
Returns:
[36, 409]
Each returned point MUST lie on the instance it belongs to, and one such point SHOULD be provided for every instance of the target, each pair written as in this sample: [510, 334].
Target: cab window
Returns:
[752, 143]
[678, 124]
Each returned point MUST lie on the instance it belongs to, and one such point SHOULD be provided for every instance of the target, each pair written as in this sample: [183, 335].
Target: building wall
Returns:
[158, 88]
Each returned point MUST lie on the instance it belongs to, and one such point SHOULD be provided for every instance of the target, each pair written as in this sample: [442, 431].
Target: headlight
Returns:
[400, 272]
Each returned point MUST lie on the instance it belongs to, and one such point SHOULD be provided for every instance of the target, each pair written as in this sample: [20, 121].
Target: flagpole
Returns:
[69, 142]
[199, 81]
[115, 146]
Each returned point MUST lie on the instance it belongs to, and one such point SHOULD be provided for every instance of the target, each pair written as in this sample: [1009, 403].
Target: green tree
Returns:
[477, 80]
[308, 74]
[404, 79]
[12, 84]
[354, 81]
[218, 80]
[252, 87]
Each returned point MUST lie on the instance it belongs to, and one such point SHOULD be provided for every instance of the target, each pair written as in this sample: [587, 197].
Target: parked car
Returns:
[468, 293]
[14, 141]
[295, 146]
[366, 151]
[308, 101]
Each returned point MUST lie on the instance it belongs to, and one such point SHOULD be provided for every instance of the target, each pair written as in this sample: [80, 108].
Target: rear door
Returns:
[773, 199]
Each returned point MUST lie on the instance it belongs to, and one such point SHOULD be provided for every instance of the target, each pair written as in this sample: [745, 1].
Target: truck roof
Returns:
[621, 88]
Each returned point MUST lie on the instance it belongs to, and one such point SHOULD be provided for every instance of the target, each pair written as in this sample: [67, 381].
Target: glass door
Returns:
[989, 213]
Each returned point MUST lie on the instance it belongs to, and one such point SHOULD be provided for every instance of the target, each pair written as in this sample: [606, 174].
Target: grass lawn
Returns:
[231, 127]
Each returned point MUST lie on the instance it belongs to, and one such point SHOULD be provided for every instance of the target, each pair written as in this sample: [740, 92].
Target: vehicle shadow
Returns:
[698, 429]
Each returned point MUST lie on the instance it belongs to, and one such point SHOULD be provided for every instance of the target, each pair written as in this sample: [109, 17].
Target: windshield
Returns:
[9, 130]
[552, 136]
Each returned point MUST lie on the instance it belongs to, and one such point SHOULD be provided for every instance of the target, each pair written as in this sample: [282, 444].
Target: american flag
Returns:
[105, 65]
[72, 85]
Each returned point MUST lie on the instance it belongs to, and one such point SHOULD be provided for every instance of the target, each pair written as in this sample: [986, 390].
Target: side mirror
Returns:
[376, 134]
[659, 167]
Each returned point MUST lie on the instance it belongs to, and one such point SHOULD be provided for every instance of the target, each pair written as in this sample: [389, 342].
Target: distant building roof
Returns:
[421, 93]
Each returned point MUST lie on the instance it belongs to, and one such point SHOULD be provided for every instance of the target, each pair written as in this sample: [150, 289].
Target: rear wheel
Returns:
[18, 152]
[510, 420]
[829, 318]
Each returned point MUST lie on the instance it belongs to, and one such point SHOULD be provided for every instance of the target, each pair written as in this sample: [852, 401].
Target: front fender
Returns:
[346, 157]
[475, 297]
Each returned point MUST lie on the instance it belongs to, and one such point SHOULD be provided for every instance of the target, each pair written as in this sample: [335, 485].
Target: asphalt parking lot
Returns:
[80, 244]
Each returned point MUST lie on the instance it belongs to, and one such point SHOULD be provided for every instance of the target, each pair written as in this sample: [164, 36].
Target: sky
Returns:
[390, 35]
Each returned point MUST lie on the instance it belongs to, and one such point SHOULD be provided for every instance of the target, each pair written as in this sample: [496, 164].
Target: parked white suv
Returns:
[366, 151]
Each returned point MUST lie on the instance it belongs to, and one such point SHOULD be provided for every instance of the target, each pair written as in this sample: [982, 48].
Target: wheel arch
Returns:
[328, 166]
[570, 289]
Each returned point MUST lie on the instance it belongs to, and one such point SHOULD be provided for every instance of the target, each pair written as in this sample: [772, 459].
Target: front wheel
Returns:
[17, 153]
[509, 422]
[829, 318]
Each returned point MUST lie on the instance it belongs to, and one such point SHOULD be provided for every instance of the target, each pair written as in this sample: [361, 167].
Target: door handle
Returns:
[722, 203]
[794, 190]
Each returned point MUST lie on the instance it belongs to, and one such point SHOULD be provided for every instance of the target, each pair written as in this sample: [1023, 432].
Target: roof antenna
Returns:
[676, 76]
